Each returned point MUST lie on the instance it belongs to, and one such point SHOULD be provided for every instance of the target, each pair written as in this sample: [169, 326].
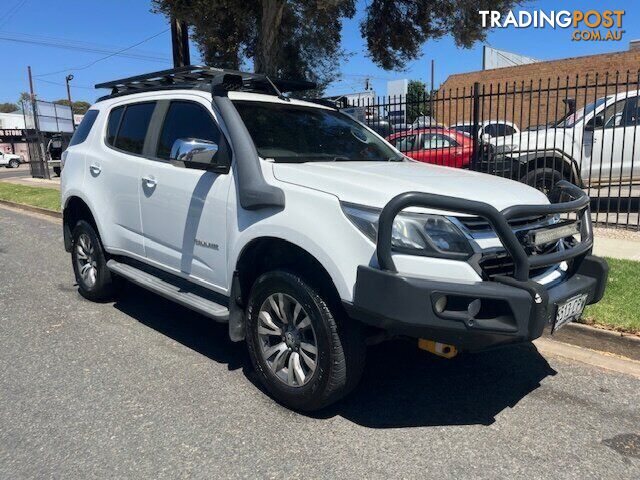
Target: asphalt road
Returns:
[143, 388]
[21, 171]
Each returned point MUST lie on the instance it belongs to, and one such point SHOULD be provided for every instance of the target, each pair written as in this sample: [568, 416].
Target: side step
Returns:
[182, 294]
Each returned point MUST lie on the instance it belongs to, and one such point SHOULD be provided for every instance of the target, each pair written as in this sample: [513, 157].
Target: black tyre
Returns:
[56, 171]
[14, 163]
[543, 179]
[94, 279]
[304, 355]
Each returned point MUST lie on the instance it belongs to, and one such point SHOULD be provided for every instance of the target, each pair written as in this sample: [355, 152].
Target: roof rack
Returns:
[194, 76]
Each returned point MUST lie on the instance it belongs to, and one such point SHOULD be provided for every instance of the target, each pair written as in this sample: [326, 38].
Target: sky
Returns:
[30, 28]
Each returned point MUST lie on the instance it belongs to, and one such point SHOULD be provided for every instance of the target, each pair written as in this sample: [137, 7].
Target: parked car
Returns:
[595, 145]
[10, 160]
[284, 219]
[56, 145]
[435, 145]
[488, 129]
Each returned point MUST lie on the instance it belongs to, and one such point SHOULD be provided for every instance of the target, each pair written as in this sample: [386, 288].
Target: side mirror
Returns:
[595, 122]
[200, 154]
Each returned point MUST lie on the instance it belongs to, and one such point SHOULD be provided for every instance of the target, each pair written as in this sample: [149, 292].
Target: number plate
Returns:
[569, 310]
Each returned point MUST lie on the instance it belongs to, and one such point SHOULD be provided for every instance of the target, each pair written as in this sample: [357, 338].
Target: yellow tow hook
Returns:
[437, 348]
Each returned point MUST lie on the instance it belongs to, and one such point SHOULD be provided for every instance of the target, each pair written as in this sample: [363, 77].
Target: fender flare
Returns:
[555, 154]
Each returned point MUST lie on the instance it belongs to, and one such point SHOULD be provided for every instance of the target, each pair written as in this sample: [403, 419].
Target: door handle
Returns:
[149, 181]
[95, 169]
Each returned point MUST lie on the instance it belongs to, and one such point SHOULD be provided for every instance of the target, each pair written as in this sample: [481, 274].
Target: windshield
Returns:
[571, 119]
[296, 134]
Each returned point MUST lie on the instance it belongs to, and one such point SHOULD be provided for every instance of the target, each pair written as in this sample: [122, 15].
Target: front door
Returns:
[184, 210]
[612, 143]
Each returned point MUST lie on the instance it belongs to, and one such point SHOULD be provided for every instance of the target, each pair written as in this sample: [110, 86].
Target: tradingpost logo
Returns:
[587, 25]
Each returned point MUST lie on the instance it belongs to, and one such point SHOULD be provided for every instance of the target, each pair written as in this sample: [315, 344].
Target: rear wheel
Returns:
[303, 354]
[56, 171]
[94, 279]
[543, 179]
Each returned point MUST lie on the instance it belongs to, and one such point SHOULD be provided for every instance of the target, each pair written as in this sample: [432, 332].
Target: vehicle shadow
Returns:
[401, 385]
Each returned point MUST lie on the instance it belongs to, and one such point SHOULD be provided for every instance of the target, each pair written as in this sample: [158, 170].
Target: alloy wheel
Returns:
[86, 260]
[287, 339]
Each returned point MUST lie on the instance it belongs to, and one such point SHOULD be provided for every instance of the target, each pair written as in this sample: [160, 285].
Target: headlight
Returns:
[413, 233]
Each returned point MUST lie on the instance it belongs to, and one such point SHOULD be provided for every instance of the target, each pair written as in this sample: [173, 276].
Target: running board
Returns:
[182, 294]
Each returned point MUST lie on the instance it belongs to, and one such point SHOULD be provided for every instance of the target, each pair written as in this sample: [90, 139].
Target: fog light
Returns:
[441, 304]
[474, 307]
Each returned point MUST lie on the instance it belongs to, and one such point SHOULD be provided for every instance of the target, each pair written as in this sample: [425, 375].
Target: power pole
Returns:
[180, 43]
[68, 79]
[44, 166]
[433, 68]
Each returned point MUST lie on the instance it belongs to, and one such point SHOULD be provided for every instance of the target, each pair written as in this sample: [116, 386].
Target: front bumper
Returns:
[478, 315]
[510, 312]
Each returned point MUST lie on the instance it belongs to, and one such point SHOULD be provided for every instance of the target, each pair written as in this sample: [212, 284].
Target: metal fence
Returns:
[583, 129]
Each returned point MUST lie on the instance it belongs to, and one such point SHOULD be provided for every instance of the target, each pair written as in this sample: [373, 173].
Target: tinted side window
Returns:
[436, 140]
[631, 112]
[133, 127]
[509, 130]
[113, 124]
[186, 120]
[405, 144]
[82, 132]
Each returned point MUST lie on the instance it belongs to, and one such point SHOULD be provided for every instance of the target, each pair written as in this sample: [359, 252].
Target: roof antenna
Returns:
[275, 89]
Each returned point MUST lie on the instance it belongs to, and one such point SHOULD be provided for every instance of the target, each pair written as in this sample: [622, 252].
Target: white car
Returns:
[488, 129]
[288, 220]
[10, 160]
[597, 144]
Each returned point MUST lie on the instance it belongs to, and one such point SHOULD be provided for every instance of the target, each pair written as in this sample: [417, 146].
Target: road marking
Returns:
[588, 356]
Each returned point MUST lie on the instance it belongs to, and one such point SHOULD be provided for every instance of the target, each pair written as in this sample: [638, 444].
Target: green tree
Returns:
[24, 101]
[417, 100]
[301, 38]
[80, 107]
[8, 107]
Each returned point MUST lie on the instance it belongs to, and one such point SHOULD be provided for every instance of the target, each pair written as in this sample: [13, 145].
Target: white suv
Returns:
[10, 160]
[308, 233]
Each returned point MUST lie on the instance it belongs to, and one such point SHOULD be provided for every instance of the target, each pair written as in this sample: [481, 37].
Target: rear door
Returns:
[441, 149]
[113, 176]
[184, 210]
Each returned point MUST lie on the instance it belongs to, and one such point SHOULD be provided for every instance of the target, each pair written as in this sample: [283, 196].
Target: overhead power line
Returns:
[113, 54]
[77, 46]
[11, 12]
[64, 85]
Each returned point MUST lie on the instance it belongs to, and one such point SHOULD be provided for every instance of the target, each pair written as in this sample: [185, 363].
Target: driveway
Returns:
[143, 388]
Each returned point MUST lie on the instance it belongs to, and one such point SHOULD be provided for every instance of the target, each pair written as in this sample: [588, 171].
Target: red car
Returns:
[441, 146]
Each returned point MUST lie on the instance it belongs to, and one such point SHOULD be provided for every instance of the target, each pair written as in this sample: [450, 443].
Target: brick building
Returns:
[534, 94]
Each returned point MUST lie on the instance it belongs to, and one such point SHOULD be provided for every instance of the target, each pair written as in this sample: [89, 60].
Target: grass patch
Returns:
[42, 197]
[620, 307]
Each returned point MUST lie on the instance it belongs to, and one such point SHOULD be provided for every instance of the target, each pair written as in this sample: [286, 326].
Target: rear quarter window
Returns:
[82, 132]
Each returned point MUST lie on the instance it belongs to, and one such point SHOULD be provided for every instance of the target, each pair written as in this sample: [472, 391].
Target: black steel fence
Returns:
[583, 129]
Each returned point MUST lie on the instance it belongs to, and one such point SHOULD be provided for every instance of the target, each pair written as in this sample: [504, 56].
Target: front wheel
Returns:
[57, 171]
[303, 354]
[94, 279]
[14, 163]
[543, 179]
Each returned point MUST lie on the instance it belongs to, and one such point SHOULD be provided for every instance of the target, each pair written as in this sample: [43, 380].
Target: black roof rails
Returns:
[193, 76]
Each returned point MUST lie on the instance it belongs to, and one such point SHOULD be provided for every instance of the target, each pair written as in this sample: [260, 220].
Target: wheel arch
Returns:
[266, 253]
[569, 168]
[76, 209]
